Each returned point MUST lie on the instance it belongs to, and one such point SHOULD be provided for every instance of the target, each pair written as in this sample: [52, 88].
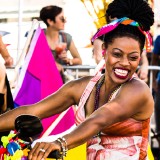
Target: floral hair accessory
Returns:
[126, 21]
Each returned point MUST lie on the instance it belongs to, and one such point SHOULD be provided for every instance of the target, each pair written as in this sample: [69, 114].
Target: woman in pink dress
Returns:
[114, 108]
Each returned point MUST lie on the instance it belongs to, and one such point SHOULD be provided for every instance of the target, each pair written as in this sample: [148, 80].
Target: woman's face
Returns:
[60, 21]
[122, 59]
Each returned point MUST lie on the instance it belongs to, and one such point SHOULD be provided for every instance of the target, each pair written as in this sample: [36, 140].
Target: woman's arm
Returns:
[3, 89]
[5, 54]
[97, 50]
[124, 106]
[143, 70]
[75, 54]
[75, 60]
[57, 102]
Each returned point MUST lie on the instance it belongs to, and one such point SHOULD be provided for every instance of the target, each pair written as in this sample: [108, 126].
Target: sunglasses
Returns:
[63, 19]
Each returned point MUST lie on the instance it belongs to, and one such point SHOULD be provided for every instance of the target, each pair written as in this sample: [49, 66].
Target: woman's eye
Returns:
[133, 58]
[116, 54]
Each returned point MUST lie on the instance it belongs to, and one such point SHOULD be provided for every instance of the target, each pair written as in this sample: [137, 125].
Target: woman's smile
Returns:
[121, 73]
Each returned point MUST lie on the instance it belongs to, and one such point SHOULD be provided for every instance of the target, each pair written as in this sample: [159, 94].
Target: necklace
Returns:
[98, 87]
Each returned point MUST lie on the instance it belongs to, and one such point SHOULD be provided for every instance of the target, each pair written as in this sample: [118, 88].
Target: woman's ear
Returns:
[103, 52]
[50, 22]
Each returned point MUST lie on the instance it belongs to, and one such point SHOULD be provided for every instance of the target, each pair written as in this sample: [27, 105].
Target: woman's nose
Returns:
[124, 61]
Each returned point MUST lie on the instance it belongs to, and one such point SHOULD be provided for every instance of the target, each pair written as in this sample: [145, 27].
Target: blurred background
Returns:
[84, 17]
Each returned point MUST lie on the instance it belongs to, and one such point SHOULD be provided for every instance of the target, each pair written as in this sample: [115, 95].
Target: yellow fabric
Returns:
[150, 155]
[78, 153]
[96, 9]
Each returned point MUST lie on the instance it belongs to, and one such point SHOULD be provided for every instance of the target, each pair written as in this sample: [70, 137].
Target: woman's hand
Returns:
[8, 61]
[63, 56]
[41, 150]
[59, 67]
[2, 77]
[60, 47]
[143, 73]
[143, 70]
[3, 88]
[5, 54]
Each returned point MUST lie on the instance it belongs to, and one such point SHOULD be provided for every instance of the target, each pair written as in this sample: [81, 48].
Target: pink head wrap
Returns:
[126, 21]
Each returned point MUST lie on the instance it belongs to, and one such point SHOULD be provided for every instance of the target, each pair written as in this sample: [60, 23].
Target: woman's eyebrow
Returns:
[123, 51]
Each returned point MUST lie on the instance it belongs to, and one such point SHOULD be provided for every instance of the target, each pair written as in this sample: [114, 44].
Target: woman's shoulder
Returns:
[66, 34]
[136, 84]
[80, 82]
[136, 90]
[76, 87]
[135, 96]
[66, 37]
[79, 85]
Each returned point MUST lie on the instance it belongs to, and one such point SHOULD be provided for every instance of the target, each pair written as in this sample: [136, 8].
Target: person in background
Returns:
[155, 61]
[6, 100]
[114, 108]
[59, 41]
[143, 67]
[5, 54]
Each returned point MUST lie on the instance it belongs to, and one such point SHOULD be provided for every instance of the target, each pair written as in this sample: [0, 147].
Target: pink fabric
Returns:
[39, 77]
[42, 65]
[126, 21]
[84, 97]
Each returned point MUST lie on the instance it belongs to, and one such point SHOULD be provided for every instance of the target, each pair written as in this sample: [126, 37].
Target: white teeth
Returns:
[121, 72]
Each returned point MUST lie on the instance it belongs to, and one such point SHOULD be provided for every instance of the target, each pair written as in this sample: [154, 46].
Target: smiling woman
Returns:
[114, 109]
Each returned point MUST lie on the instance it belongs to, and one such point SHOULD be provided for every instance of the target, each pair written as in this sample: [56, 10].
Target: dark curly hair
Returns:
[137, 10]
[49, 12]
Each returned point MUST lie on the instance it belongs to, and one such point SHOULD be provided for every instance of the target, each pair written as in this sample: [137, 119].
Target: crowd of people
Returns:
[114, 107]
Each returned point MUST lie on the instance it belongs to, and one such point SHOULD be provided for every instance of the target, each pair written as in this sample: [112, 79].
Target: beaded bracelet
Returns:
[63, 144]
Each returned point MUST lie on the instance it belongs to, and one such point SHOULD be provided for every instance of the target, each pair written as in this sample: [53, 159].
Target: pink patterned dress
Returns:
[127, 140]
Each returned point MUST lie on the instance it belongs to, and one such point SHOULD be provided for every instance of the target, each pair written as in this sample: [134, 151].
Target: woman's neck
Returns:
[104, 92]
[109, 85]
[52, 37]
[52, 34]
